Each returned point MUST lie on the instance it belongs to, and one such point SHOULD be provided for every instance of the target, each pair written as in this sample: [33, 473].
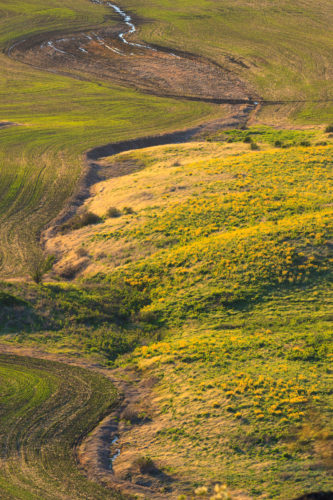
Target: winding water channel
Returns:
[131, 28]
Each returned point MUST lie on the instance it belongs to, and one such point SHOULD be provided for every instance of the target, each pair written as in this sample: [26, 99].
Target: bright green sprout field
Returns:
[38, 461]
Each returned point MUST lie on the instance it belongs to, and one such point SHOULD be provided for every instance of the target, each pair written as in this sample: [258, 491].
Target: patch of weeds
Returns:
[146, 465]
[128, 211]
[134, 415]
[113, 212]
[82, 252]
[277, 137]
[81, 220]
[254, 146]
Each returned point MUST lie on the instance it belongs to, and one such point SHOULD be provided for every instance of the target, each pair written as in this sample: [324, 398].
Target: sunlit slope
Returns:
[46, 408]
[245, 399]
[60, 118]
[210, 233]
[233, 248]
[283, 47]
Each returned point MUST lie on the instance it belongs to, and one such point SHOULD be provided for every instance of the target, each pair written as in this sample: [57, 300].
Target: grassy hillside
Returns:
[205, 232]
[38, 460]
[283, 47]
[60, 118]
[222, 255]
[207, 271]
[244, 398]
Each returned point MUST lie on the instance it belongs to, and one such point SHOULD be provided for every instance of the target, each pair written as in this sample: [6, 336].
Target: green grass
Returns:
[286, 45]
[280, 137]
[245, 398]
[22, 18]
[46, 408]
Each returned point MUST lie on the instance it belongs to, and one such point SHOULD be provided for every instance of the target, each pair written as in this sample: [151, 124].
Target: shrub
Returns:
[81, 220]
[38, 264]
[113, 212]
[305, 143]
[278, 144]
[112, 343]
[254, 146]
[247, 139]
[145, 465]
[329, 129]
[131, 415]
[147, 316]
[128, 210]
[88, 218]
[81, 252]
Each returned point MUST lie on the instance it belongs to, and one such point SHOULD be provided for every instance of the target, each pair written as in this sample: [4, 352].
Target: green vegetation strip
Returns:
[46, 408]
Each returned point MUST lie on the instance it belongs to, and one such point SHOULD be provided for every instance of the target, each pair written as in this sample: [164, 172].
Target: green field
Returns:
[208, 271]
[286, 46]
[46, 408]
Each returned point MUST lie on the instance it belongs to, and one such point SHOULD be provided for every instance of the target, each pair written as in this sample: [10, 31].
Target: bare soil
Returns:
[153, 70]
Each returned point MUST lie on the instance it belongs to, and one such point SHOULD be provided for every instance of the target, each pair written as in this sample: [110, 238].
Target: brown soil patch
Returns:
[153, 70]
